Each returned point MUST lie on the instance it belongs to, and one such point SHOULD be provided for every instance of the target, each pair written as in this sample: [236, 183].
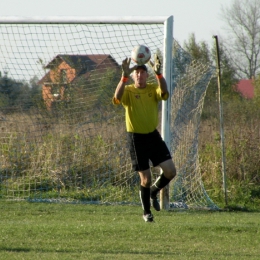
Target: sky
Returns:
[201, 17]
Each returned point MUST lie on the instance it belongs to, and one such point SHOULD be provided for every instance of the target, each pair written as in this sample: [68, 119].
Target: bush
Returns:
[242, 150]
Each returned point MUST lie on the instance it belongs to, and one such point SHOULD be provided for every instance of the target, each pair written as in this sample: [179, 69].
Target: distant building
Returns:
[67, 70]
[246, 88]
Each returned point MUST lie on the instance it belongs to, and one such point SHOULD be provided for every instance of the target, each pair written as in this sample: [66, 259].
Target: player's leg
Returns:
[140, 163]
[168, 174]
[161, 157]
[146, 178]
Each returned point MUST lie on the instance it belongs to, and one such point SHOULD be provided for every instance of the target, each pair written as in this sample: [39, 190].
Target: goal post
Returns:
[166, 106]
[62, 139]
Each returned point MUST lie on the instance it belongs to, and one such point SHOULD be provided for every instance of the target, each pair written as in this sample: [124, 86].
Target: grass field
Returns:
[70, 231]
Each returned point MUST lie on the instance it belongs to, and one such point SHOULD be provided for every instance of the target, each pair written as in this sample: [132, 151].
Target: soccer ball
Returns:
[140, 54]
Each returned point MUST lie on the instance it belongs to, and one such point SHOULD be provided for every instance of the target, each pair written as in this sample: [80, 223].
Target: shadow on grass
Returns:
[11, 249]
[236, 208]
[114, 253]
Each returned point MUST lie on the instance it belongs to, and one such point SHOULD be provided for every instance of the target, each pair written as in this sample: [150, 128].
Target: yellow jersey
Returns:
[141, 107]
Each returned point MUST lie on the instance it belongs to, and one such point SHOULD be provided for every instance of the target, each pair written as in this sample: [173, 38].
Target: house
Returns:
[246, 88]
[70, 70]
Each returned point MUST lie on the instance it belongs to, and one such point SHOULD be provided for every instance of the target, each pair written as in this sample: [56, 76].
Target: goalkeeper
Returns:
[140, 101]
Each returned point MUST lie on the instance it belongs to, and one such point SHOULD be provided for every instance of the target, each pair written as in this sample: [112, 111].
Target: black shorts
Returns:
[147, 147]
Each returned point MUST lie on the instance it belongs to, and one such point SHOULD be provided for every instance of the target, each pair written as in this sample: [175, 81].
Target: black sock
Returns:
[160, 183]
[145, 199]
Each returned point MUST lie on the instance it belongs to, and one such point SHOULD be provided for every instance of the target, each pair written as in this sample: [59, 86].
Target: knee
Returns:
[146, 183]
[146, 178]
[171, 173]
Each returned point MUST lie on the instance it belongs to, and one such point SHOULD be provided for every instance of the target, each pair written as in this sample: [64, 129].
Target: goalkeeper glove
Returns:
[156, 65]
[126, 70]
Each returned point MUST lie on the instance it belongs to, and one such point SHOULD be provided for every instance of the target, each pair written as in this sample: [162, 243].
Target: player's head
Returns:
[140, 75]
[141, 67]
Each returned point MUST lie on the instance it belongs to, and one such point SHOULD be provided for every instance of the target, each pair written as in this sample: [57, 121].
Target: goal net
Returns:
[62, 140]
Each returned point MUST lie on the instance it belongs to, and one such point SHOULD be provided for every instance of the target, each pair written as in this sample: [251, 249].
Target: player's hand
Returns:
[126, 70]
[156, 65]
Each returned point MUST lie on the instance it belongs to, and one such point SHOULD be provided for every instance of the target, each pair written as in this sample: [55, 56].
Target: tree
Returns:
[35, 92]
[198, 51]
[257, 90]
[9, 89]
[201, 52]
[228, 73]
[19, 94]
[243, 42]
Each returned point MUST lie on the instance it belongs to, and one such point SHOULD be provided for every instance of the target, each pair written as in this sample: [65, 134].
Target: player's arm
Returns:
[119, 90]
[162, 84]
[160, 78]
[126, 71]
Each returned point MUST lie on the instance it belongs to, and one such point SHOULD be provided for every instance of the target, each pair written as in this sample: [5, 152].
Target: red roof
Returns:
[246, 88]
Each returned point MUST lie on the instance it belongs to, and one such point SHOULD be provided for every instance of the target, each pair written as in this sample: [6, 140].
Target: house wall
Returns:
[246, 88]
[55, 78]
[55, 74]
[49, 98]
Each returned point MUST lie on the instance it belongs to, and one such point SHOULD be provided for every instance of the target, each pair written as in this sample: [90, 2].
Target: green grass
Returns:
[70, 231]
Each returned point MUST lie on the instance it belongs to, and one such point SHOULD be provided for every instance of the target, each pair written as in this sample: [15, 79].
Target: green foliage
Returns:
[106, 88]
[256, 98]
[35, 93]
[18, 95]
[242, 151]
[228, 74]
[198, 51]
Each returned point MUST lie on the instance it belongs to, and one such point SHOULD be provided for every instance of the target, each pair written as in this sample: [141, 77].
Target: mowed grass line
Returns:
[70, 231]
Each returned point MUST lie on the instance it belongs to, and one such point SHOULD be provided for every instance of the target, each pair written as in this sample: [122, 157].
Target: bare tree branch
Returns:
[243, 43]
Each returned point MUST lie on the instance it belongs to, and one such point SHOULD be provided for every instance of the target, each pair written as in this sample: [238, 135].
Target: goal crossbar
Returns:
[84, 19]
